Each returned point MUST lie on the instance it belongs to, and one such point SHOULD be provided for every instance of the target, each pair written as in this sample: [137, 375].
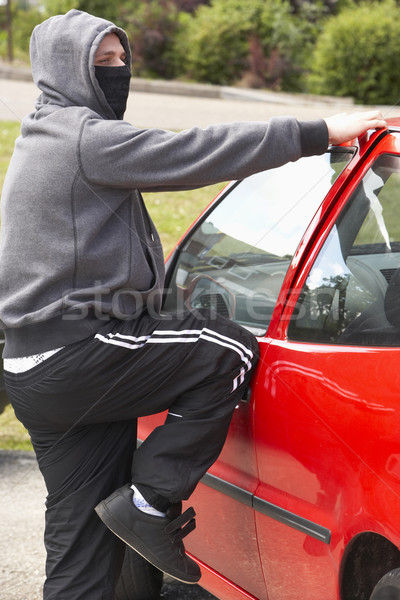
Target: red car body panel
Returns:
[311, 465]
[318, 456]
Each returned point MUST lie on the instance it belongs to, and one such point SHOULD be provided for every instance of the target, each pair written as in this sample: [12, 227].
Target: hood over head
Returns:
[62, 51]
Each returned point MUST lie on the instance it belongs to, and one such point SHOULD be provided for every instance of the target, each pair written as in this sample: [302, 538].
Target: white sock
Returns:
[143, 505]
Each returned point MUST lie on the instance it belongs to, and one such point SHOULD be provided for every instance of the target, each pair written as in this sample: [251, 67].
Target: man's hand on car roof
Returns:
[348, 126]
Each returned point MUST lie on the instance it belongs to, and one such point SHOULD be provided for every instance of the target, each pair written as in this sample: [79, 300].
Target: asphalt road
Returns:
[22, 497]
[173, 111]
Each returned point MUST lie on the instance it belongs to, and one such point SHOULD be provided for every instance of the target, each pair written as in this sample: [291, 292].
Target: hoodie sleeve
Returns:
[116, 154]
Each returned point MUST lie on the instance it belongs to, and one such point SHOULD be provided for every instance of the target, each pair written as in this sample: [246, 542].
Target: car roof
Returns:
[394, 123]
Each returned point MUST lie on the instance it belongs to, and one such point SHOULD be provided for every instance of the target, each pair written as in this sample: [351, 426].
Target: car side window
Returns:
[351, 295]
[237, 256]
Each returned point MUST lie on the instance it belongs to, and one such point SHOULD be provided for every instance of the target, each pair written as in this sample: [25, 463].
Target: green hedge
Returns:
[22, 25]
[151, 26]
[358, 54]
[257, 43]
[231, 39]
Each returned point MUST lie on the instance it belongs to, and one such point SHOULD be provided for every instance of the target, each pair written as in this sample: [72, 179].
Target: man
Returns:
[81, 270]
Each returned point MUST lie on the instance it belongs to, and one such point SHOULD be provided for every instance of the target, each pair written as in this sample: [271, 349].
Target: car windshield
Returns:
[236, 257]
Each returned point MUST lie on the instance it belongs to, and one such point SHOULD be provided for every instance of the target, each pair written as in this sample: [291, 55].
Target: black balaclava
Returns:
[115, 81]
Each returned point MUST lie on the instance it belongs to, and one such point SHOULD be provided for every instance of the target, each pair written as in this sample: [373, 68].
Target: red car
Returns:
[304, 501]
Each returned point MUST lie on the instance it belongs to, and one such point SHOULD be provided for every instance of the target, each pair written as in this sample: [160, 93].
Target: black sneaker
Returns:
[157, 539]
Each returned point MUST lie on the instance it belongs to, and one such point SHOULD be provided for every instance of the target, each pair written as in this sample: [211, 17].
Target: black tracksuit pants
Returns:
[80, 407]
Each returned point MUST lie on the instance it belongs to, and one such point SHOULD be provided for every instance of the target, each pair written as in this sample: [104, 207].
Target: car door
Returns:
[327, 401]
[235, 259]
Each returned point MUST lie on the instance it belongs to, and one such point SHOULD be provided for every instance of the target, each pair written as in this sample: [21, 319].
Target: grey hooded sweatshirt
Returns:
[77, 244]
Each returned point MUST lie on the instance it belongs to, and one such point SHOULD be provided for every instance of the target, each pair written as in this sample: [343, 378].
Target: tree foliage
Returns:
[189, 5]
[357, 54]
[335, 47]
[151, 26]
[258, 41]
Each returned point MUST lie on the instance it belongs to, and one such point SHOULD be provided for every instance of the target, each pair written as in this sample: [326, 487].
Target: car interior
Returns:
[236, 258]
